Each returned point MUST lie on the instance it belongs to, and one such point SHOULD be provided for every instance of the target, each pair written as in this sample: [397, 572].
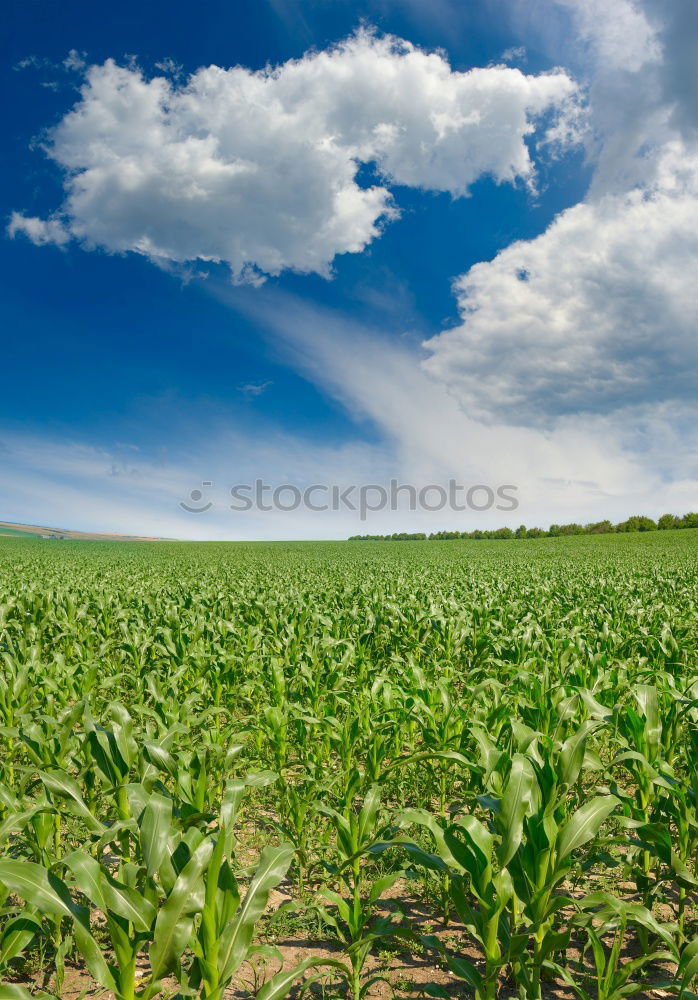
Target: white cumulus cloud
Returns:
[598, 313]
[259, 169]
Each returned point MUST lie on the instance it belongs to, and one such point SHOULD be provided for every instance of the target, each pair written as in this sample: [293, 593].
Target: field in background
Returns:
[444, 768]
[40, 531]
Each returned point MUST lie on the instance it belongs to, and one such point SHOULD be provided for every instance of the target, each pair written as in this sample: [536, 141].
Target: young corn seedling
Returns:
[542, 860]
[482, 894]
[223, 937]
[443, 727]
[361, 836]
[538, 835]
[35, 833]
[642, 756]
[614, 978]
[297, 824]
[150, 906]
[113, 755]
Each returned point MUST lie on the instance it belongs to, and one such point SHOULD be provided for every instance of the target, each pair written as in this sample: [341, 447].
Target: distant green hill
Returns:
[40, 531]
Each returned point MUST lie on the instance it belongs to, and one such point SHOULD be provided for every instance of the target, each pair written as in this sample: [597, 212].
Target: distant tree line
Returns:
[666, 522]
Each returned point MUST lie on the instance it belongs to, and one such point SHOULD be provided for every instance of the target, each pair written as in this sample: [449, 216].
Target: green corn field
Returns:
[454, 769]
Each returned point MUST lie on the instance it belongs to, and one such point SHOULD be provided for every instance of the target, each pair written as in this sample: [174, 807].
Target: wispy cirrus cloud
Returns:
[582, 463]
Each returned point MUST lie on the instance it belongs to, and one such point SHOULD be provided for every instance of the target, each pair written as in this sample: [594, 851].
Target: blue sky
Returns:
[435, 241]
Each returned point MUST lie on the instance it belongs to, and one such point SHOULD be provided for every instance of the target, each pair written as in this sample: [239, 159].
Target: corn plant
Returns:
[361, 837]
[613, 978]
